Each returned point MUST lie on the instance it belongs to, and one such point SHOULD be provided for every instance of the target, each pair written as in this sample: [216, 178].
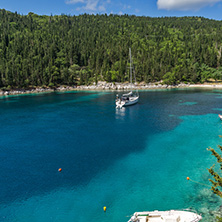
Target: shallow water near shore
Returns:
[128, 160]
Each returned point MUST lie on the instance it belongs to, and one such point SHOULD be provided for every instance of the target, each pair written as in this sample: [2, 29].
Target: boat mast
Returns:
[130, 68]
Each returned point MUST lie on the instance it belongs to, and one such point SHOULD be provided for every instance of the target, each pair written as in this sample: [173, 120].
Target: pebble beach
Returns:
[102, 85]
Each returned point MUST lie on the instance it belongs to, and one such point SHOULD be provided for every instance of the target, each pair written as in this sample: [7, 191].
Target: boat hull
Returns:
[165, 216]
[130, 102]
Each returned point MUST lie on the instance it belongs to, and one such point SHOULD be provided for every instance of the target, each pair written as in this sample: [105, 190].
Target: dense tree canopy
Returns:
[53, 50]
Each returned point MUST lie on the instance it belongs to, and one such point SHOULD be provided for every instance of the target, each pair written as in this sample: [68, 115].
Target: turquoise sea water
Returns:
[128, 160]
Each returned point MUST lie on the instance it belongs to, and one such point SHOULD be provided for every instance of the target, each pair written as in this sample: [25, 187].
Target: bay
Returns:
[128, 160]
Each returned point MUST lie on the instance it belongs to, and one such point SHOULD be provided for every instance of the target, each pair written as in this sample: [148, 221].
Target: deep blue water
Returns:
[132, 159]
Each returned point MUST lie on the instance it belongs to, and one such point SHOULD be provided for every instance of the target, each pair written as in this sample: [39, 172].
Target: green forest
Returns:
[75, 50]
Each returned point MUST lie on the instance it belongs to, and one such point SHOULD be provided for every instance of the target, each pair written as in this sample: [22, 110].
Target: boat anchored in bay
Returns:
[130, 98]
[166, 216]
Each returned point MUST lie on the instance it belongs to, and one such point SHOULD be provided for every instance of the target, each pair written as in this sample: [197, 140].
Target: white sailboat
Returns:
[128, 98]
[166, 216]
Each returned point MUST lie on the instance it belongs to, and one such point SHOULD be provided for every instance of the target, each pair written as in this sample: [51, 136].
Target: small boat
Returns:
[127, 100]
[166, 216]
[130, 98]
[220, 116]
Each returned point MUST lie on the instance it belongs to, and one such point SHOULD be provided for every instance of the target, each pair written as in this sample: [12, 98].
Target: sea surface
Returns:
[131, 159]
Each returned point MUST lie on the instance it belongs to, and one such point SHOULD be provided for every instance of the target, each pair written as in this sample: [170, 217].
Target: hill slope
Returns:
[54, 50]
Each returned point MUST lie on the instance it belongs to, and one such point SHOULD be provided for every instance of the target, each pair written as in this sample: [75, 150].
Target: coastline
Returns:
[103, 86]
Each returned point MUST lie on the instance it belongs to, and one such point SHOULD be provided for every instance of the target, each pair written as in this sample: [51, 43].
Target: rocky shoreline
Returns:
[101, 86]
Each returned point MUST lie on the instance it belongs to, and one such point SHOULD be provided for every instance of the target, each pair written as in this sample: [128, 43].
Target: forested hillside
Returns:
[54, 50]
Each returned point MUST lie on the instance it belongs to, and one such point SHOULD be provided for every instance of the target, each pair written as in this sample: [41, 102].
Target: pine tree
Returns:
[217, 182]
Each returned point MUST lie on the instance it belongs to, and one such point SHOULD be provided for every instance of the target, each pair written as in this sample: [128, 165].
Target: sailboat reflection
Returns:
[120, 113]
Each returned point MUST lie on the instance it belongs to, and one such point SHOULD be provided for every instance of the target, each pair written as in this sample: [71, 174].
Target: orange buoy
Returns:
[104, 209]
[60, 169]
[188, 178]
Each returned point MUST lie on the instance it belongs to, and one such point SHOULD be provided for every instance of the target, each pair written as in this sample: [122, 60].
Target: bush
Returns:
[51, 85]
